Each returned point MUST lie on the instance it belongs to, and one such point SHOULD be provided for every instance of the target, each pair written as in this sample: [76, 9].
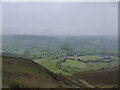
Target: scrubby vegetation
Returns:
[22, 73]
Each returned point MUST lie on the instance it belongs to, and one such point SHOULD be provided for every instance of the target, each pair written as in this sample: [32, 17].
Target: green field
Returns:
[51, 65]
[66, 55]
[90, 57]
[74, 64]
[70, 67]
[85, 57]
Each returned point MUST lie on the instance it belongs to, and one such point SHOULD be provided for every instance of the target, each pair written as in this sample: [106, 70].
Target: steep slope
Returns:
[22, 73]
[107, 78]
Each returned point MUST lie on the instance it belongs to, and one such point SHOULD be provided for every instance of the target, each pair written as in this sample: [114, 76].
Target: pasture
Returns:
[66, 55]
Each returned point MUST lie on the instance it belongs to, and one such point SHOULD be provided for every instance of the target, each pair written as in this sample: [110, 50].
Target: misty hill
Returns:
[22, 73]
[58, 46]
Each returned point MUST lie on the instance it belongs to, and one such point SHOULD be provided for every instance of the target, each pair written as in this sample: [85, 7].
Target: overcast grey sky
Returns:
[60, 18]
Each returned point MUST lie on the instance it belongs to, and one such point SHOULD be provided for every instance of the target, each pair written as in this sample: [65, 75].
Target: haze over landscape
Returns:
[60, 18]
[60, 45]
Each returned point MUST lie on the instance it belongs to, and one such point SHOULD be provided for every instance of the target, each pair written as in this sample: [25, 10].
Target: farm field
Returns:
[60, 45]
[51, 65]
[69, 67]
[67, 56]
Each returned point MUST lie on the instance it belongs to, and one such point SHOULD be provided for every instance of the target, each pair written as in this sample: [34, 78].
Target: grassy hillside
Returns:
[101, 78]
[22, 73]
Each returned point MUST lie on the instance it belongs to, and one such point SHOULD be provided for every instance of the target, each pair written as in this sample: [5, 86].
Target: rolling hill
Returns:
[23, 73]
[103, 78]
